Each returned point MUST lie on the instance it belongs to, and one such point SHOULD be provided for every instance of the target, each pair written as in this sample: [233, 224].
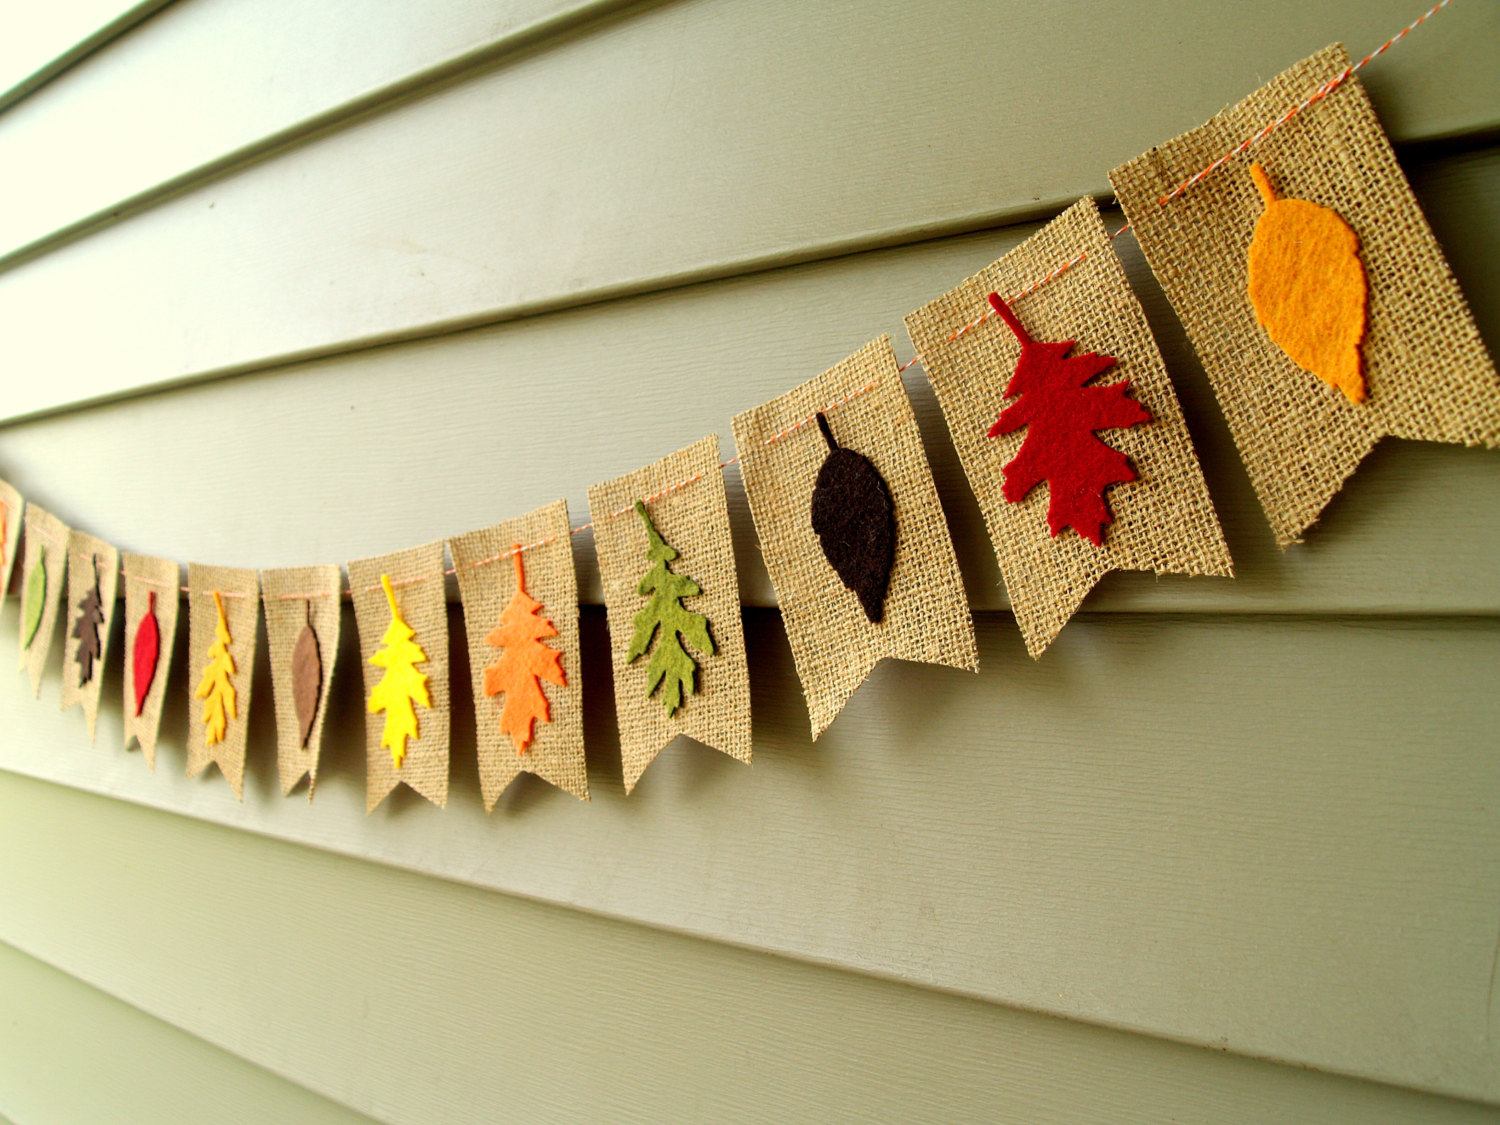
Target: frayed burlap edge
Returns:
[1426, 368]
[926, 614]
[486, 569]
[296, 598]
[417, 576]
[240, 592]
[693, 519]
[1164, 521]
[43, 529]
[88, 558]
[146, 575]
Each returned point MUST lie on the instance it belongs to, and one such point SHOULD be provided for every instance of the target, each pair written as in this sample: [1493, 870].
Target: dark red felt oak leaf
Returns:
[1060, 416]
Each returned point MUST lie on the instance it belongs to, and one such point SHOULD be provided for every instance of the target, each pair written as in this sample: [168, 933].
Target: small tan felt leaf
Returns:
[307, 678]
[1308, 287]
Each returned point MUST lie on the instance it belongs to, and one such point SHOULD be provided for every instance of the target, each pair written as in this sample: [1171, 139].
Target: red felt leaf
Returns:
[1060, 415]
[144, 653]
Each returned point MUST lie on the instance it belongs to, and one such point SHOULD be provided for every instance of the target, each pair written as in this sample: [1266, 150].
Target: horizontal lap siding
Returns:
[417, 1000]
[1183, 825]
[698, 138]
[1254, 816]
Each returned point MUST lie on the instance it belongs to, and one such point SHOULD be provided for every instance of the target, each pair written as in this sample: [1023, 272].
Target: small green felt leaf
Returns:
[36, 598]
[671, 666]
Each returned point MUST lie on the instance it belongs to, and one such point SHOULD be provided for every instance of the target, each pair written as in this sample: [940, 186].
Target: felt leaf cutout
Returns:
[402, 686]
[1308, 287]
[86, 629]
[1060, 415]
[145, 651]
[307, 677]
[216, 688]
[36, 597]
[525, 663]
[855, 520]
[4, 521]
[670, 665]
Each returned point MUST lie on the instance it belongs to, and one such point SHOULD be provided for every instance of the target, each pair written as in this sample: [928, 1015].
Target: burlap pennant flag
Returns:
[401, 608]
[672, 595]
[152, 601]
[44, 574]
[302, 634]
[520, 598]
[1163, 521]
[223, 633]
[93, 578]
[11, 506]
[904, 596]
[1425, 372]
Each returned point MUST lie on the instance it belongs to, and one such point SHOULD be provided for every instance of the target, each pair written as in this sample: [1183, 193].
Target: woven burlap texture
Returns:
[240, 592]
[296, 598]
[10, 533]
[693, 519]
[146, 575]
[486, 569]
[88, 557]
[926, 615]
[43, 530]
[417, 577]
[1164, 521]
[1428, 374]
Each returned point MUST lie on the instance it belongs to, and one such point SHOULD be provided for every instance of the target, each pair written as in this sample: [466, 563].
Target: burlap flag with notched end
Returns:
[401, 608]
[44, 575]
[520, 597]
[152, 601]
[672, 595]
[1163, 520]
[11, 506]
[93, 578]
[303, 616]
[223, 634]
[865, 568]
[1426, 374]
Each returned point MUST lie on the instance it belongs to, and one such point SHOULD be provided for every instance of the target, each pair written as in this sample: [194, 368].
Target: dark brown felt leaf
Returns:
[307, 679]
[856, 523]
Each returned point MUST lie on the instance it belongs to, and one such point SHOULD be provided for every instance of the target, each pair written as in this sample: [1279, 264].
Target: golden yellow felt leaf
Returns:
[402, 686]
[1308, 287]
[215, 688]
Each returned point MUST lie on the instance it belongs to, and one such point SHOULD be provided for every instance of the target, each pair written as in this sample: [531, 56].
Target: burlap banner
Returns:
[303, 615]
[93, 578]
[11, 506]
[672, 594]
[911, 580]
[152, 601]
[1426, 371]
[43, 586]
[1164, 521]
[401, 608]
[223, 634]
[521, 617]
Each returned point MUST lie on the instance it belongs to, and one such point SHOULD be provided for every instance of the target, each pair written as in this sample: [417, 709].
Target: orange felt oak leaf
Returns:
[216, 689]
[1308, 287]
[402, 686]
[525, 663]
[1060, 415]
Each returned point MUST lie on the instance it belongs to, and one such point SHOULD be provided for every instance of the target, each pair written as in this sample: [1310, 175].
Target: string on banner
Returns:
[1323, 90]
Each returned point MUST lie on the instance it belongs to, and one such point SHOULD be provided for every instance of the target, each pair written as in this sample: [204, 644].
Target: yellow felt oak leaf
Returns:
[216, 689]
[525, 663]
[402, 686]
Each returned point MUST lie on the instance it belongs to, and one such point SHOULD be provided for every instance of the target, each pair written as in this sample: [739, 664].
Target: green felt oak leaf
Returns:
[671, 662]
